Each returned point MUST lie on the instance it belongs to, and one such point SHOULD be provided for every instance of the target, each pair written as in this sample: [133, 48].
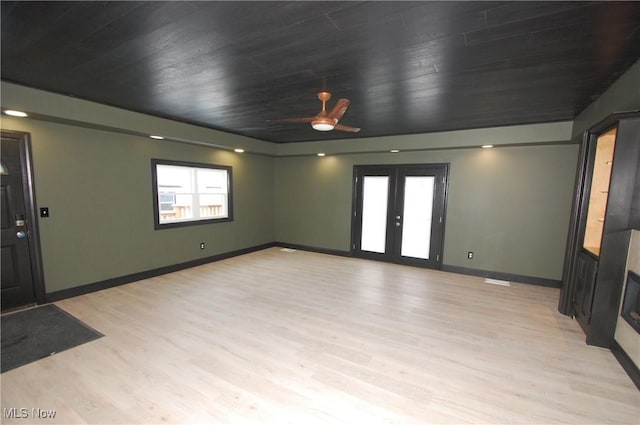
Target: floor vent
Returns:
[497, 282]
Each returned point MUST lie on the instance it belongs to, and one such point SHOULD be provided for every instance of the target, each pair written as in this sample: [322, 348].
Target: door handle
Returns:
[21, 235]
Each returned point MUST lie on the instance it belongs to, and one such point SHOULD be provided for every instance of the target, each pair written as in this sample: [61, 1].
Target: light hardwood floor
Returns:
[304, 338]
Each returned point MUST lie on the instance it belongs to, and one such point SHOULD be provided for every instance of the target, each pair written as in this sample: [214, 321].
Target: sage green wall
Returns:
[97, 185]
[509, 205]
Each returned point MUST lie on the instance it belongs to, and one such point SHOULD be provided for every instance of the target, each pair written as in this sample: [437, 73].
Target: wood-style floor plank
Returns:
[279, 337]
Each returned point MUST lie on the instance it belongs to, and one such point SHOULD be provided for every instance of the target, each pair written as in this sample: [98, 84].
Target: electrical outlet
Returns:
[470, 255]
[201, 245]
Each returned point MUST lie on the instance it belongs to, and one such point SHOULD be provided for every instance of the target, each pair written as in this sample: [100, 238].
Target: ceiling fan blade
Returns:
[346, 128]
[341, 107]
[302, 119]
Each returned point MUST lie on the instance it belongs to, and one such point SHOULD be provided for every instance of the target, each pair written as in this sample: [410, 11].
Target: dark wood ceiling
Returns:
[407, 67]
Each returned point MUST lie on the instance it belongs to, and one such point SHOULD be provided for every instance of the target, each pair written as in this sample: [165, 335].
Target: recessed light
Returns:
[394, 150]
[487, 146]
[157, 137]
[239, 150]
[15, 113]
[321, 154]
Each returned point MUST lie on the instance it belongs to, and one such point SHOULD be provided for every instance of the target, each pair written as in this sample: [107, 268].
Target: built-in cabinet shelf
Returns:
[599, 193]
[594, 250]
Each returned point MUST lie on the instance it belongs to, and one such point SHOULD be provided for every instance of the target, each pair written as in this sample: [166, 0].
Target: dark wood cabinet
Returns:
[604, 211]
[585, 280]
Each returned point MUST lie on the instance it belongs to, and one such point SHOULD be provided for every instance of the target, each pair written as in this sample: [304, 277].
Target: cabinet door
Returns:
[586, 270]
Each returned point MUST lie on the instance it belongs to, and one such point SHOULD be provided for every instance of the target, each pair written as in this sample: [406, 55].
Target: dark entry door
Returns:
[18, 287]
[399, 213]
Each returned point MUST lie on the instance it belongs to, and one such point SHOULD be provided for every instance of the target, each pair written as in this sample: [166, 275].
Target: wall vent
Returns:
[497, 282]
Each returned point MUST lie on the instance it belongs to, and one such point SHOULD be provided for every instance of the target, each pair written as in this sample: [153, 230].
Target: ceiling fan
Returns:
[327, 121]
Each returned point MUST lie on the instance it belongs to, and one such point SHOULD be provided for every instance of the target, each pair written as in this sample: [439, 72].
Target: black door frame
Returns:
[441, 170]
[35, 251]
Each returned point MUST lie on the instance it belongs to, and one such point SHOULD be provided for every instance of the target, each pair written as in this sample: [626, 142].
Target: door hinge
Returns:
[440, 219]
[438, 257]
[443, 180]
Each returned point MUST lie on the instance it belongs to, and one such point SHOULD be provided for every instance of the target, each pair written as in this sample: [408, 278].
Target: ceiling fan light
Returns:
[322, 127]
[323, 124]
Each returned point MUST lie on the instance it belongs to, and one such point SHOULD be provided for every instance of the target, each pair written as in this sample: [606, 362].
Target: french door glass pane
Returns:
[375, 192]
[418, 209]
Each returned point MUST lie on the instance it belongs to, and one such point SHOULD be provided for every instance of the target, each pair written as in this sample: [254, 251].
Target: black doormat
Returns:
[40, 332]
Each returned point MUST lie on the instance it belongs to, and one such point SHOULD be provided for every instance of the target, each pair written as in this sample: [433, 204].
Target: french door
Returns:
[399, 213]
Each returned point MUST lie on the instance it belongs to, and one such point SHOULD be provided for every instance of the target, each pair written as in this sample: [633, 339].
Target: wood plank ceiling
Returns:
[407, 67]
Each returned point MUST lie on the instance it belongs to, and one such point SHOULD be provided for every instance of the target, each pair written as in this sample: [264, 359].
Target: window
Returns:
[186, 193]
